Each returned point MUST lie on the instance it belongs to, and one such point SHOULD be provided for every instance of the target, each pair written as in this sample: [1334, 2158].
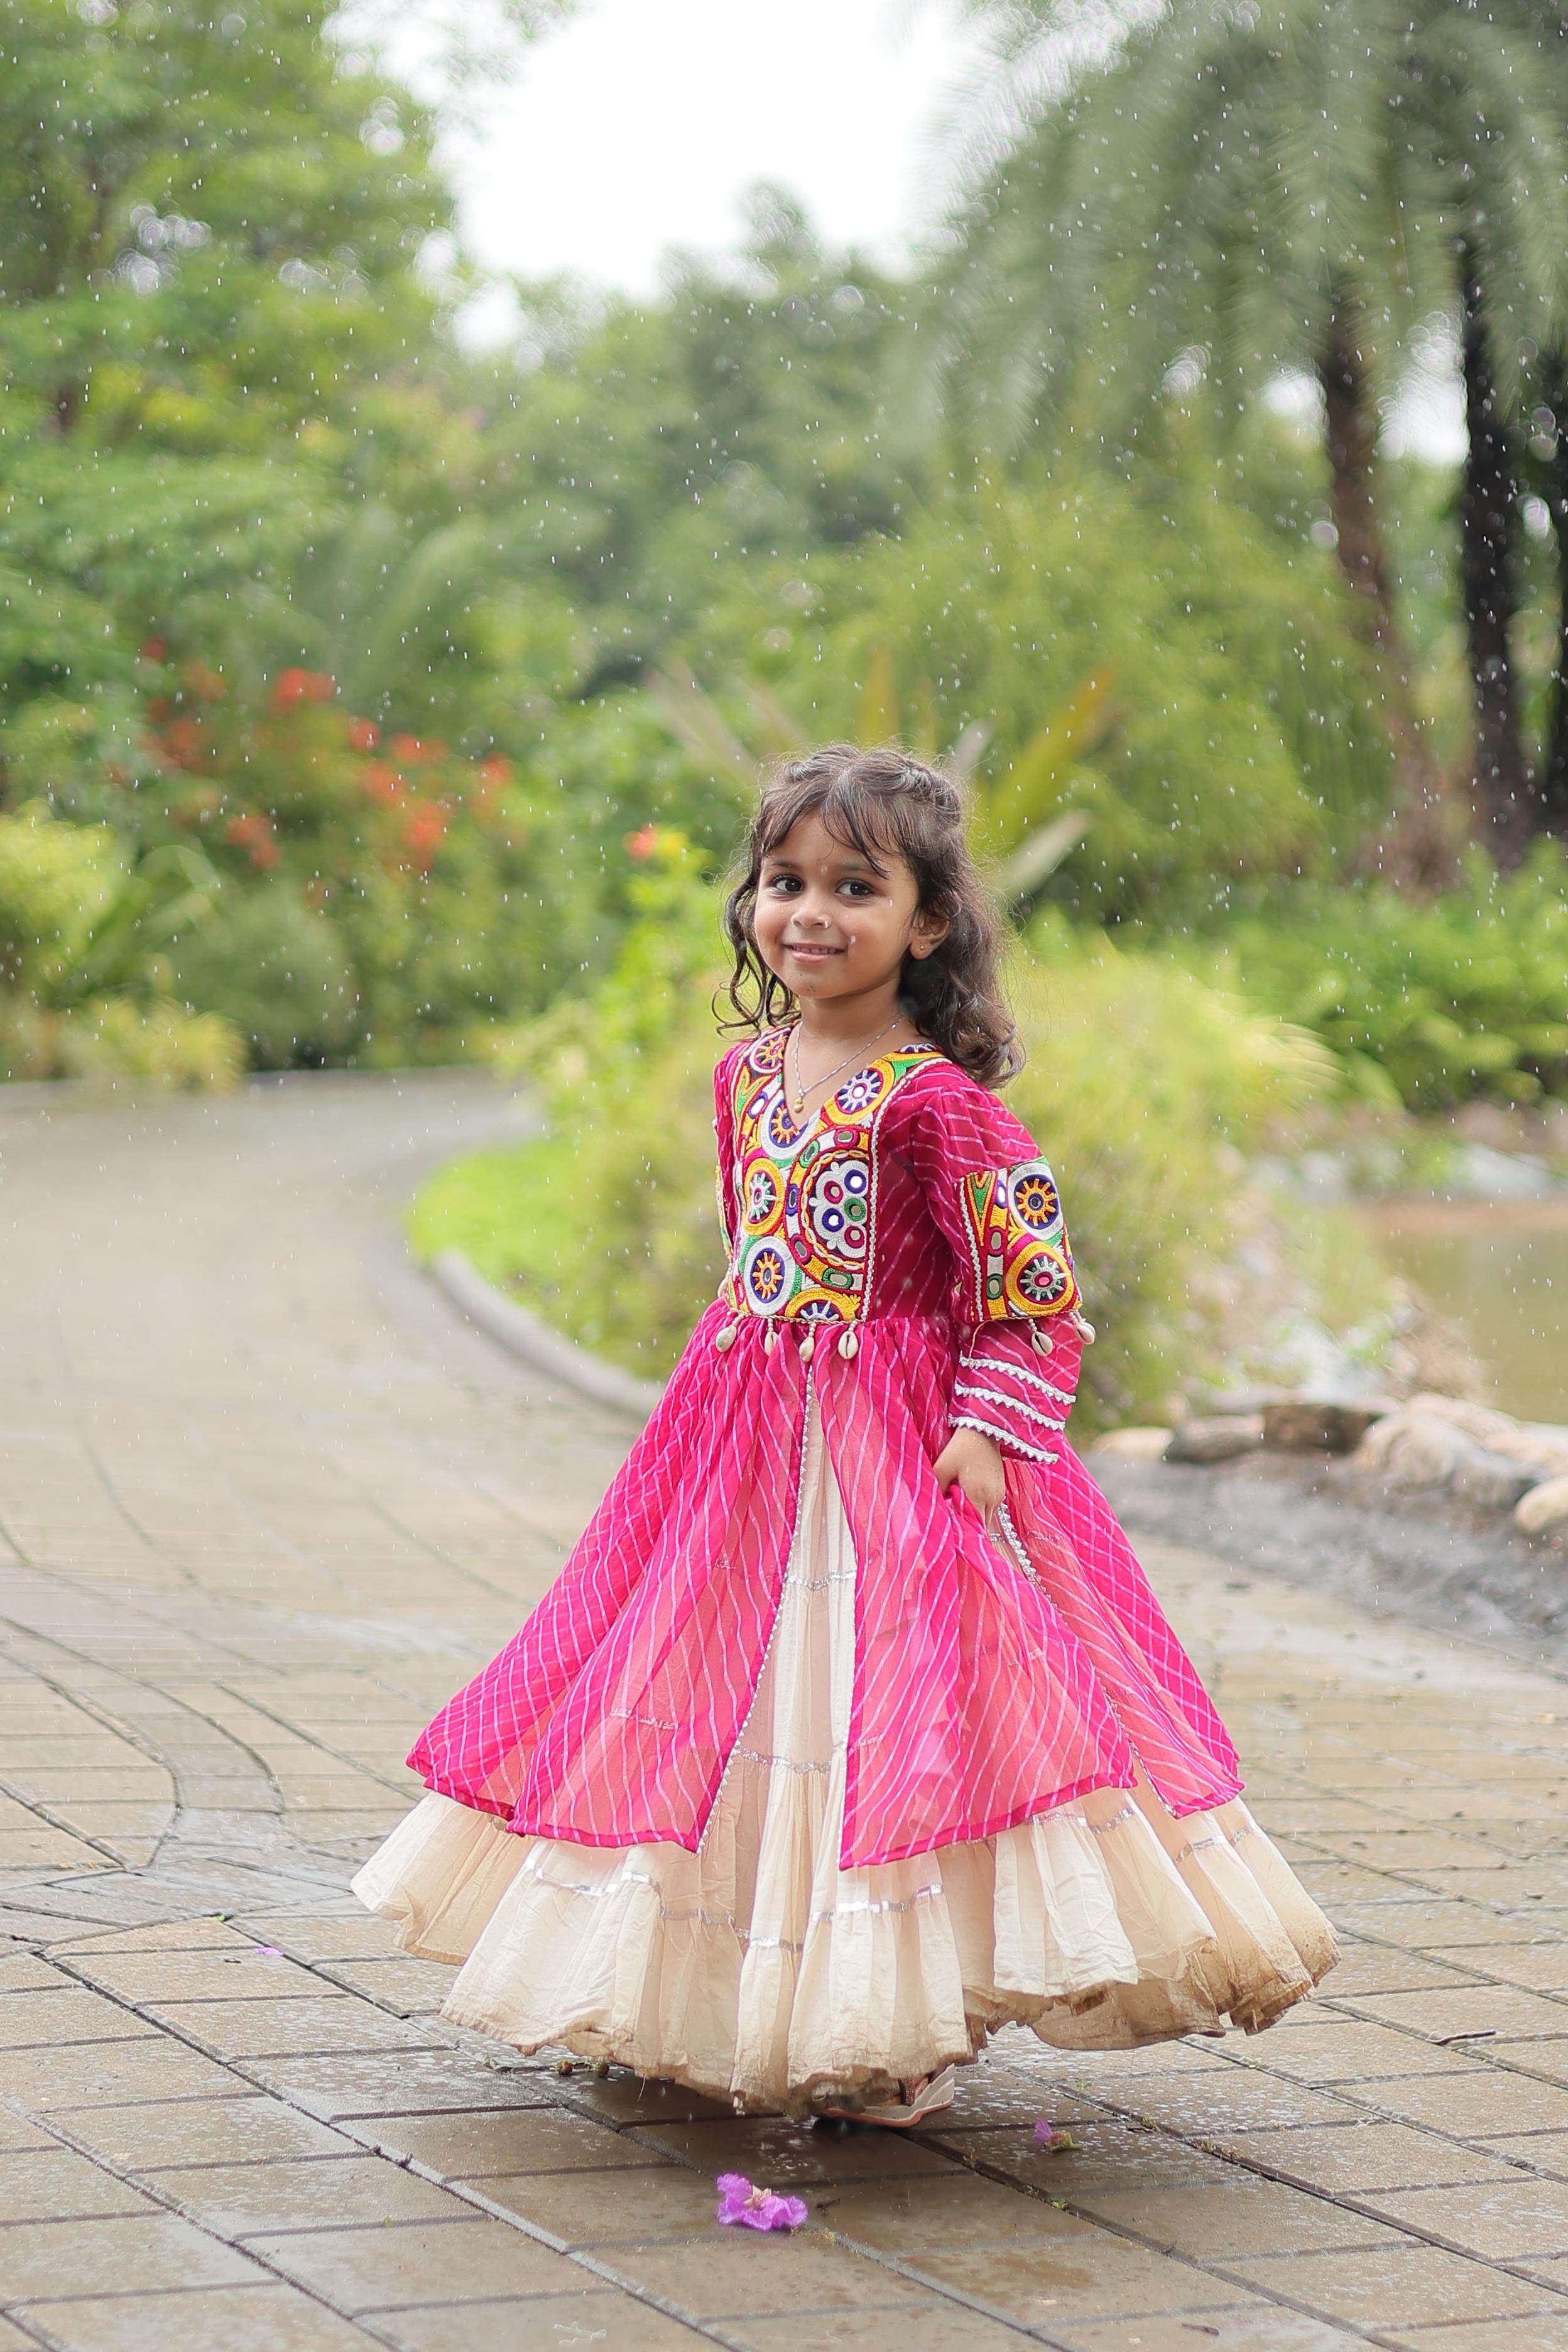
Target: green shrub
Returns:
[1238, 741]
[1427, 1001]
[83, 979]
[276, 973]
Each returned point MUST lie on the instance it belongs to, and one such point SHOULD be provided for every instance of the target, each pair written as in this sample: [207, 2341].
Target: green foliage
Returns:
[209, 231]
[83, 988]
[1231, 738]
[1428, 1002]
[1145, 1089]
[607, 1226]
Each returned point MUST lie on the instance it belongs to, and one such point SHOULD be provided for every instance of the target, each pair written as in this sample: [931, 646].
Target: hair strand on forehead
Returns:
[885, 806]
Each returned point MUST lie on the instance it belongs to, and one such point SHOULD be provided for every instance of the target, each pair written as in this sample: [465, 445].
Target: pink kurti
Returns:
[898, 1267]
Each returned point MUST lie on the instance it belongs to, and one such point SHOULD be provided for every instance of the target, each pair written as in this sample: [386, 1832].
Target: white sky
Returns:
[637, 125]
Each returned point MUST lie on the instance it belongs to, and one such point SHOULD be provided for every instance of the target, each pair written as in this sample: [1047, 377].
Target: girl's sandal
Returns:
[928, 2097]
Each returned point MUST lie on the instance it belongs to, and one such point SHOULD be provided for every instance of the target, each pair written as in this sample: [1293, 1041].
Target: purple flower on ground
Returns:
[268, 1951]
[1052, 2136]
[757, 2209]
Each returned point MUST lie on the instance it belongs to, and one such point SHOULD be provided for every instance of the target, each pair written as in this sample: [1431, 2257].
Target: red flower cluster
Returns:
[296, 686]
[255, 835]
[422, 834]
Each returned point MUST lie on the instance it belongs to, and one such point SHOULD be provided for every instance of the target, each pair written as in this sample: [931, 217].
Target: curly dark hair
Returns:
[885, 804]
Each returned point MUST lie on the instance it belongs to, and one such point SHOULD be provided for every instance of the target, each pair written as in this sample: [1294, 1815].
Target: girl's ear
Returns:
[927, 932]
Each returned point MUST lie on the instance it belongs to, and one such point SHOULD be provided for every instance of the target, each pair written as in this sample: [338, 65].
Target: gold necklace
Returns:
[797, 1101]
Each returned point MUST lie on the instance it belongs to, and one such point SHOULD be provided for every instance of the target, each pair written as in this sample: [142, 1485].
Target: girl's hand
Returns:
[972, 1461]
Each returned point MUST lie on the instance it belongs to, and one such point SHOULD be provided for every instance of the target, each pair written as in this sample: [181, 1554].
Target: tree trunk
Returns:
[1554, 794]
[1417, 842]
[1501, 787]
[1351, 439]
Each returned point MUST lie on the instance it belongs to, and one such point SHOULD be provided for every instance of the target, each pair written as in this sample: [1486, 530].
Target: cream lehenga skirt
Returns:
[758, 1970]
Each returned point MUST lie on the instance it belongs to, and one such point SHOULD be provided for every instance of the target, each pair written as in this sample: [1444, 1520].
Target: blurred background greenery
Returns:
[367, 701]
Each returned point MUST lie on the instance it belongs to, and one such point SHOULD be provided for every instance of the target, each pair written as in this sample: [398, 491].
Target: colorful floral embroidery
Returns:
[1018, 1247]
[803, 1191]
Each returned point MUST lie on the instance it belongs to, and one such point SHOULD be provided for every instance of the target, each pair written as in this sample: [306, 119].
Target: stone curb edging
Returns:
[524, 1335]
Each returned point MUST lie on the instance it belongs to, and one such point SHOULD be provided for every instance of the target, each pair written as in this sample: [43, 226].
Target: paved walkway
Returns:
[263, 1503]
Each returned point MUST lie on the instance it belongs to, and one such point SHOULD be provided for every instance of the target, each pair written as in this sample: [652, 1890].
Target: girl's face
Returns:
[828, 924]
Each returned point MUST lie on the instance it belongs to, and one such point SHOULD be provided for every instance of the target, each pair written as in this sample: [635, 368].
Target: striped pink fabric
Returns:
[987, 1688]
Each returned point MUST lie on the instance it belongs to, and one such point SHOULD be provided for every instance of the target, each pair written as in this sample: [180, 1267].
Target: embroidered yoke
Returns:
[900, 1256]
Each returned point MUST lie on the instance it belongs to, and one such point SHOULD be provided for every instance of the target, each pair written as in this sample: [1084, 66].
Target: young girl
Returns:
[851, 1729]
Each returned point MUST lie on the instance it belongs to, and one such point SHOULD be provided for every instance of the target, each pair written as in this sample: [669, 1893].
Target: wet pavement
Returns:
[264, 1501]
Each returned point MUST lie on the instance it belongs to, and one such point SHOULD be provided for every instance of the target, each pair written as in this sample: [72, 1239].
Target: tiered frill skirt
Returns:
[757, 1970]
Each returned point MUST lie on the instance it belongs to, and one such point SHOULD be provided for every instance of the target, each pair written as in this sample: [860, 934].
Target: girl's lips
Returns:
[809, 954]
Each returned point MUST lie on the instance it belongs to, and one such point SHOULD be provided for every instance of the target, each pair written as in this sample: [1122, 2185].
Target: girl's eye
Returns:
[862, 889]
[782, 882]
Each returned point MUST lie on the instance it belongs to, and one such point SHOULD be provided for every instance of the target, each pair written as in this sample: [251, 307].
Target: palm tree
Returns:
[1263, 188]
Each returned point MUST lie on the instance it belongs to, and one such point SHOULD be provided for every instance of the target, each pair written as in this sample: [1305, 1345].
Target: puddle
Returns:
[1500, 1271]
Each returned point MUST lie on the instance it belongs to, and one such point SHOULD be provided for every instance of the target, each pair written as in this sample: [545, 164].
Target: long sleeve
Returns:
[994, 1200]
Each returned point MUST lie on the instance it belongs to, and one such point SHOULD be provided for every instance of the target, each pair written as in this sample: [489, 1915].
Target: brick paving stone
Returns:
[465, 2260]
[147, 2252]
[290, 2028]
[593, 2318]
[1249, 2329]
[1545, 2334]
[413, 1987]
[418, 2082]
[1217, 2220]
[931, 2326]
[627, 2207]
[159, 1978]
[1482, 2106]
[1323, 2053]
[1366, 1968]
[1540, 1968]
[105, 2073]
[1503, 2010]
[912, 2217]
[1106, 2154]
[1407, 2285]
[1545, 2152]
[24, 1972]
[741, 2273]
[241, 2128]
[1519, 2221]
[33, 2021]
[259, 2318]
[1095, 2276]
[1370, 2157]
[622, 2098]
[53, 2184]
[349, 1938]
[782, 2153]
[512, 2140]
[242, 2200]
[1220, 2106]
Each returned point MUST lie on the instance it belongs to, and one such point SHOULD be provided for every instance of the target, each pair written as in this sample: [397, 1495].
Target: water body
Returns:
[1499, 1270]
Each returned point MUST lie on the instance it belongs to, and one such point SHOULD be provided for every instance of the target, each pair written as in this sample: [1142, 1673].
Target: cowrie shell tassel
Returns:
[808, 1348]
[727, 1336]
[771, 1342]
[1085, 1327]
[1044, 1343]
[849, 1345]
